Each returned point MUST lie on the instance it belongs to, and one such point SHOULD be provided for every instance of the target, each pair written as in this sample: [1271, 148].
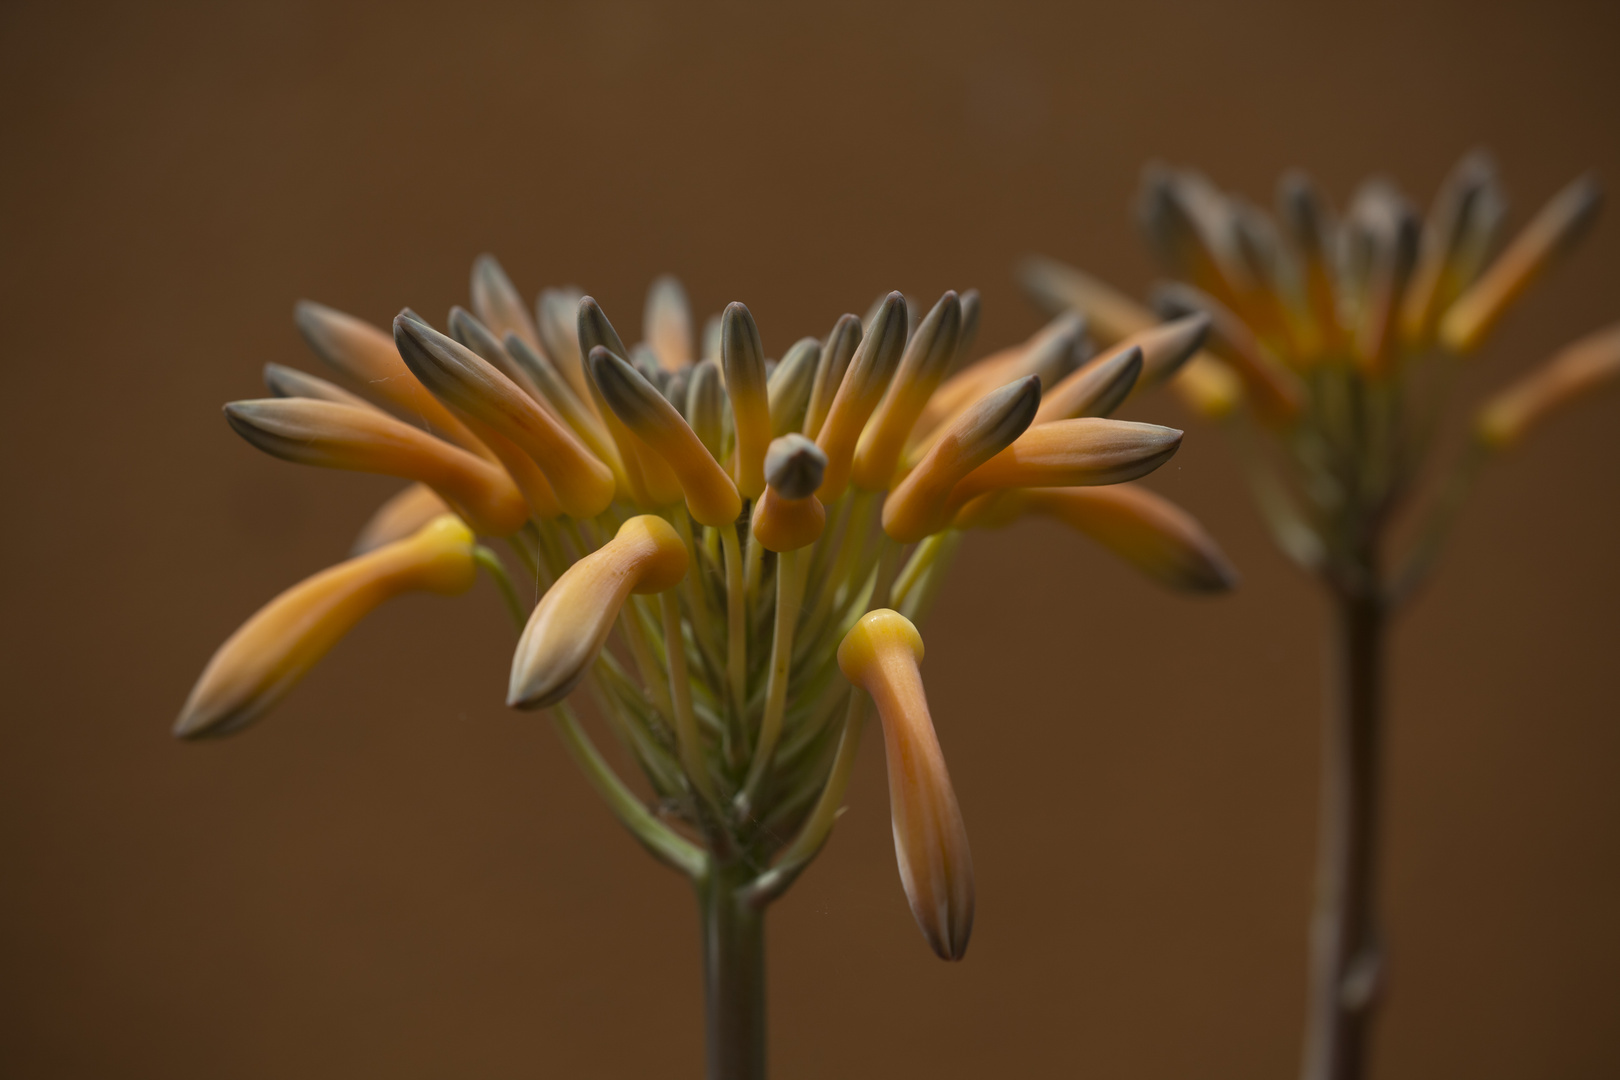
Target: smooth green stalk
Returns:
[736, 631]
[686, 731]
[491, 562]
[733, 973]
[666, 845]
[789, 589]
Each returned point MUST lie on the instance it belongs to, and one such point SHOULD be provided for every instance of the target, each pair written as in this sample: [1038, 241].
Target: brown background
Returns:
[396, 877]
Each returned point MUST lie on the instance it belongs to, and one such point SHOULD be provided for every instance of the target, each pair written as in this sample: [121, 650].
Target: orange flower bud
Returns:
[263, 660]
[366, 440]
[569, 626]
[881, 655]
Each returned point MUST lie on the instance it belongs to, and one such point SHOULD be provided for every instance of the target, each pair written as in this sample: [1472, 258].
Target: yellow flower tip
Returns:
[496, 301]
[334, 436]
[862, 387]
[256, 666]
[922, 503]
[742, 359]
[1578, 369]
[926, 361]
[881, 654]
[583, 484]
[789, 516]
[1208, 387]
[1548, 237]
[568, 628]
[399, 517]
[667, 323]
[710, 494]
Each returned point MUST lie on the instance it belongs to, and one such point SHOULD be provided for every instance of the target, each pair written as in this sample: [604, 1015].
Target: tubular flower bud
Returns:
[710, 494]
[651, 481]
[742, 358]
[789, 516]
[266, 657]
[1208, 386]
[881, 655]
[706, 406]
[1275, 390]
[289, 382]
[860, 391]
[1049, 353]
[560, 397]
[1096, 389]
[1070, 453]
[496, 301]
[927, 358]
[466, 330]
[399, 517]
[1549, 236]
[836, 355]
[1165, 348]
[1443, 234]
[790, 385]
[557, 318]
[667, 324]
[368, 356]
[971, 305]
[1576, 370]
[921, 504]
[567, 629]
[1148, 531]
[583, 485]
[365, 440]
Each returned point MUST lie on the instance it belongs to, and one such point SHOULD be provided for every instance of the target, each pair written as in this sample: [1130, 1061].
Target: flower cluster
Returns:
[724, 544]
[1338, 339]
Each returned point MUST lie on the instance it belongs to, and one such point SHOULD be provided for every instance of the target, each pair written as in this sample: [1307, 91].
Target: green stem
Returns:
[666, 845]
[736, 631]
[1347, 962]
[491, 562]
[789, 589]
[680, 687]
[733, 974]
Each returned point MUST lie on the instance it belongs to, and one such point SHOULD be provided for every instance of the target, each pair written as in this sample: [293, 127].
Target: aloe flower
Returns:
[1331, 346]
[710, 529]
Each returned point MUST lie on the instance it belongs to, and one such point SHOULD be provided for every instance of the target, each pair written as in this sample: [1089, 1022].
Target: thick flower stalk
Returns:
[729, 552]
[1332, 347]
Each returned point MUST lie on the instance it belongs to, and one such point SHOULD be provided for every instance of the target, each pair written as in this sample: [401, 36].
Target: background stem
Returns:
[1346, 951]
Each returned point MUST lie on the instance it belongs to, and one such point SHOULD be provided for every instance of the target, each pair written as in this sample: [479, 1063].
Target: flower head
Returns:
[710, 530]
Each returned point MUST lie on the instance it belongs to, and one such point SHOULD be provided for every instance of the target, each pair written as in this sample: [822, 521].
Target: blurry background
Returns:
[395, 876]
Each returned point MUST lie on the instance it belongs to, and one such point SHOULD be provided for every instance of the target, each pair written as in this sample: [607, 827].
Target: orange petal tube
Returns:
[584, 485]
[1147, 530]
[1550, 235]
[1576, 370]
[569, 626]
[920, 505]
[859, 393]
[399, 517]
[927, 358]
[366, 440]
[710, 495]
[368, 356]
[742, 358]
[1071, 453]
[881, 655]
[263, 660]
